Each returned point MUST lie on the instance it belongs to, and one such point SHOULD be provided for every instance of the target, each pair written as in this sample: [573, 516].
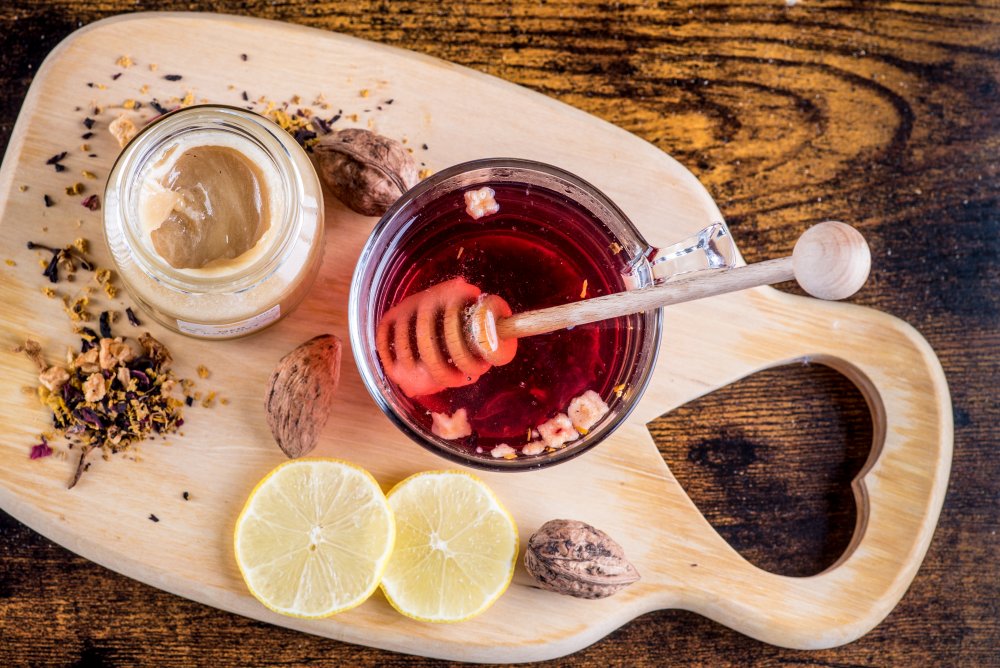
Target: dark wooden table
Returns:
[790, 113]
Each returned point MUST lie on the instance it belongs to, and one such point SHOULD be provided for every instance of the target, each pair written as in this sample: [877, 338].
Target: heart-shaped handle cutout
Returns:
[769, 461]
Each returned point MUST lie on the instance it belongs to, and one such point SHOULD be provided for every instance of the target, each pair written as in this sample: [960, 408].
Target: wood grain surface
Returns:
[880, 116]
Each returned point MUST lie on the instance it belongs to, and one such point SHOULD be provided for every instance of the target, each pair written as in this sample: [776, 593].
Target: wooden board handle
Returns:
[899, 491]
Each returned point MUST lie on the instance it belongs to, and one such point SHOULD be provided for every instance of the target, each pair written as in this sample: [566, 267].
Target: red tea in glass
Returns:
[539, 249]
[554, 239]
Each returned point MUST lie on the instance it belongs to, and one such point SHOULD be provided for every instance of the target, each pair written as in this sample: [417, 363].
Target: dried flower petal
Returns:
[40, 450]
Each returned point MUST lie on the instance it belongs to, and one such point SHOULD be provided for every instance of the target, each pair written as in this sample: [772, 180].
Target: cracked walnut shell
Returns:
[366, 171]
[576, 559]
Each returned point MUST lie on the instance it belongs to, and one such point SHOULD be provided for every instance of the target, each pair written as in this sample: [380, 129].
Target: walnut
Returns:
[366, 171]
[574, 558]
[300, 394]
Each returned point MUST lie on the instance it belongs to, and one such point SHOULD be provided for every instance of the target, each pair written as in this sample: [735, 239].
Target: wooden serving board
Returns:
[622, 486]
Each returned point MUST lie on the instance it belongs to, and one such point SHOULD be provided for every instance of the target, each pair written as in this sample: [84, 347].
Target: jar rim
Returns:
[265, 134]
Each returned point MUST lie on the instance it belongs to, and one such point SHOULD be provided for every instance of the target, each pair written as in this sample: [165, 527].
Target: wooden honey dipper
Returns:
[451, 334]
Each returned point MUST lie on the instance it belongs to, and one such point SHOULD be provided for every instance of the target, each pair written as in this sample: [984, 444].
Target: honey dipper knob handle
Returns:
[831, 260]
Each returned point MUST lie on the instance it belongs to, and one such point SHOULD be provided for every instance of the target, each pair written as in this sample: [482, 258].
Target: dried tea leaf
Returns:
[300, 394]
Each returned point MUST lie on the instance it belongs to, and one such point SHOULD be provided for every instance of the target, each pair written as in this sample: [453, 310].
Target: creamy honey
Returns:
[214, 217]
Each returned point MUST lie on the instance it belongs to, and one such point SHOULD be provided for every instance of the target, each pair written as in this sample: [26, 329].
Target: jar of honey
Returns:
[214, 219]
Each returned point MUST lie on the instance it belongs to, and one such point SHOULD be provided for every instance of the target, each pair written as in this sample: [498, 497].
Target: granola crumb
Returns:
[124, 62]
[10, 263]
[203, 371]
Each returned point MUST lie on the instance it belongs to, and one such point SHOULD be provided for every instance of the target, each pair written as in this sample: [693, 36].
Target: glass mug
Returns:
[555, 239]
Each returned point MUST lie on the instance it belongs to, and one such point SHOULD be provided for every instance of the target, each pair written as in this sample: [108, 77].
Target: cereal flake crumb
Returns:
[503, 451]
[533, 448]
[452, 426]
[587, 410]
[558, 431]
[481, 202]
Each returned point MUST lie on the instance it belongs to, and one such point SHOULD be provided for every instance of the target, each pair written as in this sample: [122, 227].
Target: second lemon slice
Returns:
[314, 537]
[456, 546]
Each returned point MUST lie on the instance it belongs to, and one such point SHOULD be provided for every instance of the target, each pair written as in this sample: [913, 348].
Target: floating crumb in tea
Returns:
[461, 249]
[203, 371]
[615, 248]
[619, 390]
[583, 290]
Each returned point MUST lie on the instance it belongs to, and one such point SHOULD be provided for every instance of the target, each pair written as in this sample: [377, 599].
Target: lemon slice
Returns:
[455, 548]
[314, 537]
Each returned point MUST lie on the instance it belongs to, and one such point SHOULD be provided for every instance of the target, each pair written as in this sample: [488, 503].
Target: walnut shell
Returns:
[576, 559]
[366, 171]
[300, 394]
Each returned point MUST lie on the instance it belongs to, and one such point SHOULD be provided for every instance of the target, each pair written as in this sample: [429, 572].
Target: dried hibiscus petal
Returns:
[41, 450]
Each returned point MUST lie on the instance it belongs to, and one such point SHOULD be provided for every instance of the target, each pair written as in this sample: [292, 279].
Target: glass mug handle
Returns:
[709, 248]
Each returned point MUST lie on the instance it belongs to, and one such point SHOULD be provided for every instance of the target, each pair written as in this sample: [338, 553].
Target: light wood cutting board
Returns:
[622, 486]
